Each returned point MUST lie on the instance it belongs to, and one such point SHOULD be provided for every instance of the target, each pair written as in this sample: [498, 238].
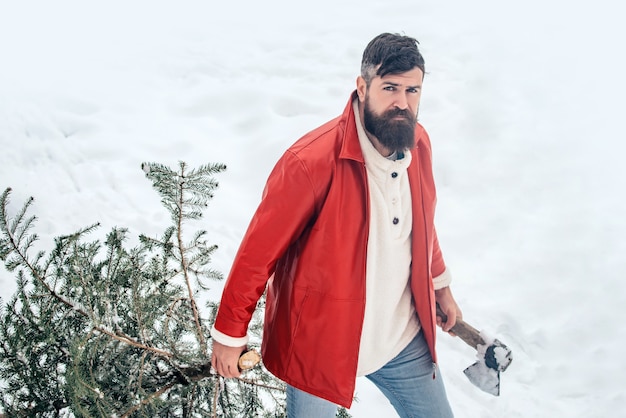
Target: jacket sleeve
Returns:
[287, 206]
[441, 275]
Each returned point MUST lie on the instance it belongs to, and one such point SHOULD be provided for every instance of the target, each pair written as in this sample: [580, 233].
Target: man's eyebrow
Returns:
[389, 83]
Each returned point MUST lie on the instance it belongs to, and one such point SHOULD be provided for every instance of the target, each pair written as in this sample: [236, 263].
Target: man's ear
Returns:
[361, 88]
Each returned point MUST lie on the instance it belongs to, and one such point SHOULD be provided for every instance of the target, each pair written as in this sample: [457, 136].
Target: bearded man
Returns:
[344, 243]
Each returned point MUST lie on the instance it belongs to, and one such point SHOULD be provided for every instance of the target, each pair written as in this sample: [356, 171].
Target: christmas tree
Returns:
[96, 329]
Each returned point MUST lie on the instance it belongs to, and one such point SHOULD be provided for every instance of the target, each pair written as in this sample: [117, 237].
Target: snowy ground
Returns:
[523, 102]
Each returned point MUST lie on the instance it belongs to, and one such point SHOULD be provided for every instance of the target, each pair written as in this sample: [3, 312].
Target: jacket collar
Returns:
[350, 148]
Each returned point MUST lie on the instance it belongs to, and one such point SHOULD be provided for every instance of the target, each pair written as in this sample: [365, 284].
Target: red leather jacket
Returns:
[307, 245]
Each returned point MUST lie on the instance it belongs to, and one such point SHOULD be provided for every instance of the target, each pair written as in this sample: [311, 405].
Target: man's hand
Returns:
[224, 359]
[448, 305]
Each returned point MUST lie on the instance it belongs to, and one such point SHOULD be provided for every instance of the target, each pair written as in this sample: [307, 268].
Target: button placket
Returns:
[394, 192]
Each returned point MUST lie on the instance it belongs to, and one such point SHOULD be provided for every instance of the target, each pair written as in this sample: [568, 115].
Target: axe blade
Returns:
[484, 377]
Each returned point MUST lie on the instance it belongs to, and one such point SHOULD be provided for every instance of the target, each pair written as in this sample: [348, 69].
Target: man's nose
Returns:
[401, 102]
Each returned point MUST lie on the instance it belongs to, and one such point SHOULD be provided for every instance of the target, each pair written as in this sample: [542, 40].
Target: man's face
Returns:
[390, 109]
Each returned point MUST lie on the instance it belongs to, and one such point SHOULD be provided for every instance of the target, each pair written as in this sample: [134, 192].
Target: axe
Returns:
[493, 356]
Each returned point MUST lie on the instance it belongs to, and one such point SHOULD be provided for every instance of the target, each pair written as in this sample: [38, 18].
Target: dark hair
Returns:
[394, 54]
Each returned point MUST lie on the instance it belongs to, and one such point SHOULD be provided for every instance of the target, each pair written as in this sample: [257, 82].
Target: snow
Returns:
[523, 103]
[502, 357]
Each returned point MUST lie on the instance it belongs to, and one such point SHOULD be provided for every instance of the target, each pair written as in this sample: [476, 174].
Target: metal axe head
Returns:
[492, 359]
[493, 356]
[484, 378]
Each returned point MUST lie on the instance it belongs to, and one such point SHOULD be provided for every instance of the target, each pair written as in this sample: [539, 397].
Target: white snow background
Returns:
[524, 103]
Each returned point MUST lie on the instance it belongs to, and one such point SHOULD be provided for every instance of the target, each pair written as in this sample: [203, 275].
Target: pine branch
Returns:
[168, 318]
[261, 385]
[183, 263]
[133, 343]
[216, 395]
[147, 400]
[14, 230]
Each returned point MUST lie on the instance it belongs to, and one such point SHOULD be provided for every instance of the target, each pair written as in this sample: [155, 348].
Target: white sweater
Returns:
[390, 321]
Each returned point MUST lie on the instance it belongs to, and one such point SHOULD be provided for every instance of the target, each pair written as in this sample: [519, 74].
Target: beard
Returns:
[397, 135]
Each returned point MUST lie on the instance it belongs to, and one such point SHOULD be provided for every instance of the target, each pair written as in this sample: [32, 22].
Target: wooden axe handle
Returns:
[248, 359]
[463, 330]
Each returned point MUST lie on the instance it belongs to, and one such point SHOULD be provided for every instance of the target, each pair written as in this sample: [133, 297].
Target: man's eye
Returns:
[389, 88]
[413, 90]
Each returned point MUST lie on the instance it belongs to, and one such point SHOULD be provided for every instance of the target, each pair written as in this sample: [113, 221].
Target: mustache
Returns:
[392, 113]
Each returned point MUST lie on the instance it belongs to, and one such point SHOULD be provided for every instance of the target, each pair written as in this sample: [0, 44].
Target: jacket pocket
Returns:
[325, 339]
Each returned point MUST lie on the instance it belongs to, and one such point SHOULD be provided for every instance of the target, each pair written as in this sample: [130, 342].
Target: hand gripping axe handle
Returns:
[493, 356]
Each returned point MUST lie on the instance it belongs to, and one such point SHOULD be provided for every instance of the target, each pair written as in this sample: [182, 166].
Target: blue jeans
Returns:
[407, 381]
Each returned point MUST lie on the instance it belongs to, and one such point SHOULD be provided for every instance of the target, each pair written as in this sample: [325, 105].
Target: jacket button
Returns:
[394, 175]
[395, 221]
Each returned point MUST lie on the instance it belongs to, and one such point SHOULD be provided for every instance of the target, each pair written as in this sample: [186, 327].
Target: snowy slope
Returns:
[523, 103]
